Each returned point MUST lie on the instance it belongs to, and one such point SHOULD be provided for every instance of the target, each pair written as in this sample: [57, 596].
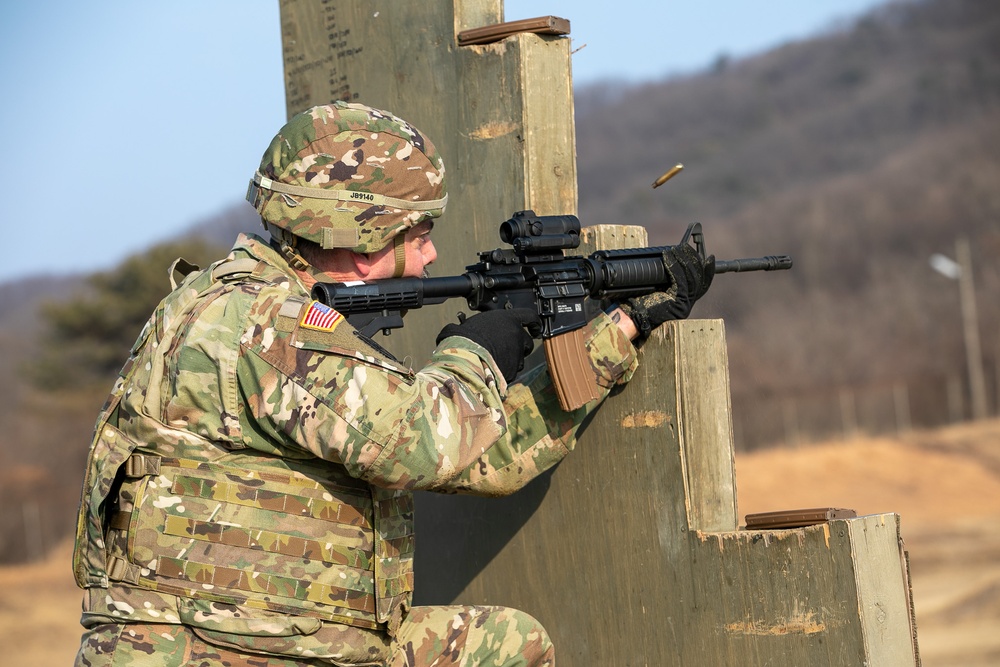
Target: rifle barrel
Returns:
[769, 263]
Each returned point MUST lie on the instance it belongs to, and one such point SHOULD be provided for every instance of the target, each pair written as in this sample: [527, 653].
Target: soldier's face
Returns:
[420, 253]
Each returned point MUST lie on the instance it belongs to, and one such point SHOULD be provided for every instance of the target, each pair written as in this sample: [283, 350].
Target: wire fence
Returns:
[34, 521]
[888, 408]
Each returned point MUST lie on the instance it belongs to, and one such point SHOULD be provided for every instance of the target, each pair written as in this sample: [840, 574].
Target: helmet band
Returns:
[262, 182]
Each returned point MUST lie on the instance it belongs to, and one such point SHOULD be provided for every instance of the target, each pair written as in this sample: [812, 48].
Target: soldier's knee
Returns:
[534, 646]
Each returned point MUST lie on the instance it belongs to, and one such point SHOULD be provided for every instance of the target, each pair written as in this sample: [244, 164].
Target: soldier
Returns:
[247, 498]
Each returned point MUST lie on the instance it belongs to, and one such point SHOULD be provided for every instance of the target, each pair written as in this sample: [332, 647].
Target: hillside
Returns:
[796, 117]
[859, 152]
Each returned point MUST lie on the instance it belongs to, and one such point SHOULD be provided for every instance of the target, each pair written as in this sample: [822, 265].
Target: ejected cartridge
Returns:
[667, 176]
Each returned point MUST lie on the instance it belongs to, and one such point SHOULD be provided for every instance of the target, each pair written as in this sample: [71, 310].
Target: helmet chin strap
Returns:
[399, 250]
[287, 243]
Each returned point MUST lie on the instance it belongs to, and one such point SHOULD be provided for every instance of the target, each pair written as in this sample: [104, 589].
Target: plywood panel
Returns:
[487, 107]
[611, 564]
[500, 114]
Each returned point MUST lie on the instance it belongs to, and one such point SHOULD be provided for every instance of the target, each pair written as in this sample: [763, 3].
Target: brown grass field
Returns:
[945, 484]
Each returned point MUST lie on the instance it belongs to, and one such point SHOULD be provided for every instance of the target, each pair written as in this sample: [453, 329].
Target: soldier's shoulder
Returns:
[306, 326]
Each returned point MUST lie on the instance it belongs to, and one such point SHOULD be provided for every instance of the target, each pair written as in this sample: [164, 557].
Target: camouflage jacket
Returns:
[251, 473]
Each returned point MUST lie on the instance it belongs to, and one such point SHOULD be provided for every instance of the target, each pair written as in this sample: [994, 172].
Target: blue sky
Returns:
[123, 123]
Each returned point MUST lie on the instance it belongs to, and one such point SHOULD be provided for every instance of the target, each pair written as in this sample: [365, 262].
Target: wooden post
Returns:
[956, 408]
[848, 413]
[628, 552]
[901, 401]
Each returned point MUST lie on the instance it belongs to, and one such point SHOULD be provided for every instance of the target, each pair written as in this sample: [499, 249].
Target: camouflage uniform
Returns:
[248, 491]
[444, 636]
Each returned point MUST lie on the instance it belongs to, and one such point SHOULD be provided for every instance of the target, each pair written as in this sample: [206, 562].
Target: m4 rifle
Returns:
[535, 273]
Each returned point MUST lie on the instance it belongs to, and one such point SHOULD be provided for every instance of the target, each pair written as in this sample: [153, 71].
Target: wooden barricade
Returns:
[501, 114]
[629, 551]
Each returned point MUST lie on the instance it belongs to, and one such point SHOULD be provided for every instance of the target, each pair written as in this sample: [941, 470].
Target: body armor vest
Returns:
[201, 512]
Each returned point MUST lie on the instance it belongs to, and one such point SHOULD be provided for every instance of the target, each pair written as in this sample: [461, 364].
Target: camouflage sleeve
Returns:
[539, 433]
[445, 428]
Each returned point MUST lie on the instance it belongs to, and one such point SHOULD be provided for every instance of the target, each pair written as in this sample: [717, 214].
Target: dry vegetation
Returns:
[860, 153]
[40, 611]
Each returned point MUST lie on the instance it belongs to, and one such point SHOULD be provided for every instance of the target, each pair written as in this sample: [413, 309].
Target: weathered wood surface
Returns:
[830, 594]
[633, 558]
[500, 114]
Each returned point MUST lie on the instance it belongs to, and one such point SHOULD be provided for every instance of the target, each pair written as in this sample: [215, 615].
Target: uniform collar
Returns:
[252, 245]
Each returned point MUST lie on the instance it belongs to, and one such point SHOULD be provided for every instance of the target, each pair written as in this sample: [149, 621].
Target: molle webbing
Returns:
[274, 586]
[241, 494]
[307, 544]
[271, 541]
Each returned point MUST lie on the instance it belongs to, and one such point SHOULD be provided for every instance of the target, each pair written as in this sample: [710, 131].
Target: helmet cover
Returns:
[346, 175]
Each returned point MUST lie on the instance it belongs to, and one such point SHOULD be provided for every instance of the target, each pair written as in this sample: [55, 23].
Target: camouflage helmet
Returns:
[348, 176]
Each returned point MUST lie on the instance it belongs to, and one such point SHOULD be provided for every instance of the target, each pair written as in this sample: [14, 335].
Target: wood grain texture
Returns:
[501, 114]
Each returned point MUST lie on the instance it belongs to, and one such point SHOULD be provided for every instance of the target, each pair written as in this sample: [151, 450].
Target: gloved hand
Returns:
[502, 333]
[692, 277]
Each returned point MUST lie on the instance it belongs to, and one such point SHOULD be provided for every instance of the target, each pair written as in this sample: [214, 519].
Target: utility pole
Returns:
[970, 325]
[961, 270]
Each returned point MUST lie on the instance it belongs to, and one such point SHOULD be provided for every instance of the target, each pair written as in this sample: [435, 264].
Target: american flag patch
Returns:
[320, 317]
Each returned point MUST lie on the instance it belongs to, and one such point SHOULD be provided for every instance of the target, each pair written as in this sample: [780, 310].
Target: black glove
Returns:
[691, 276]
[502, 333]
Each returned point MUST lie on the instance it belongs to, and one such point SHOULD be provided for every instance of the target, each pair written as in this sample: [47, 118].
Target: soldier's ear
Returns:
[362, 264]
